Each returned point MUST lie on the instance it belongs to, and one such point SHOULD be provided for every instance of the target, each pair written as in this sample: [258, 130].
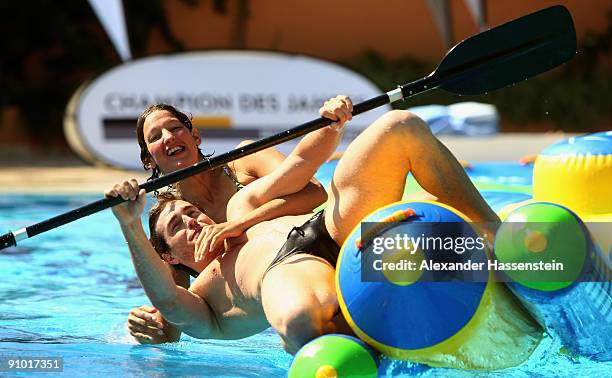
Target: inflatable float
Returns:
[482, 319]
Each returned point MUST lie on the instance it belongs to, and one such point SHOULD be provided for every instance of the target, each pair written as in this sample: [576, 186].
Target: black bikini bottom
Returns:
[310, 238]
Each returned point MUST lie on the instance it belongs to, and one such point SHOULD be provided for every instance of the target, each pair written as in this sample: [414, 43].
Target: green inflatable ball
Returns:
[548, 242]
[334, 356]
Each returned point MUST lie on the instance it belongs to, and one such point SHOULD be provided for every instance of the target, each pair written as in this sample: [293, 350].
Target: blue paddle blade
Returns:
[508, 53]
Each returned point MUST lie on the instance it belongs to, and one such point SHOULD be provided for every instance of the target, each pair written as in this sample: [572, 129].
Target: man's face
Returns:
[179, 224]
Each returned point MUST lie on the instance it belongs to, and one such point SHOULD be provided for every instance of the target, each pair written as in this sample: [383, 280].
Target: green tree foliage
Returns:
[48, 49]
[51, 47]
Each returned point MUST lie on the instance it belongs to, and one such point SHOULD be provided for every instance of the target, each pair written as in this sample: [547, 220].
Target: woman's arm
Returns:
[246, 209]
[296, 170]
[263, 164]
[243, 216]
[147, 325]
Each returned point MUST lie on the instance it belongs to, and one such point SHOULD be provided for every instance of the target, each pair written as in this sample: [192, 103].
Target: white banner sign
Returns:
[232, 96]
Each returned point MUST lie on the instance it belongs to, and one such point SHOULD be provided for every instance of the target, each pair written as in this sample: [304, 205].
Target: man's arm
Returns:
[183, 309]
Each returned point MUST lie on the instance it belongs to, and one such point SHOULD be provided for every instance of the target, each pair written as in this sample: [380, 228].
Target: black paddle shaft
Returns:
[487, 61]
[9, 239]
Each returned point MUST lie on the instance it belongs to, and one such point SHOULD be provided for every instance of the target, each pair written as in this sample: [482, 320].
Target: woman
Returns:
[168, 142]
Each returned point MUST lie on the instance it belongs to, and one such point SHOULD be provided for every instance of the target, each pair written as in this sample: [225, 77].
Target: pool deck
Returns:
[66, 175]
[60, 176]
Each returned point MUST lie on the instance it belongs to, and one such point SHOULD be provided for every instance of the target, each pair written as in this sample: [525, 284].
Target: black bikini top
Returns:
[233, 177]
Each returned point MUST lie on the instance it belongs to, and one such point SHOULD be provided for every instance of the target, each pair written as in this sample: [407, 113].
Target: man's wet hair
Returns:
[157, 240]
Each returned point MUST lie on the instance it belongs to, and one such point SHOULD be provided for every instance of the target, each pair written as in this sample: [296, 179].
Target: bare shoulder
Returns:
[204, 284]
[243, 167]
[258, 164]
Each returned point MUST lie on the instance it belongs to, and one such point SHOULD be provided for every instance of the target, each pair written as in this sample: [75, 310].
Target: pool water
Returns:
[66, 293]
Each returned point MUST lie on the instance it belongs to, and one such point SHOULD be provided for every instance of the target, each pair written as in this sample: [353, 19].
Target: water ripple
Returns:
[48, 340]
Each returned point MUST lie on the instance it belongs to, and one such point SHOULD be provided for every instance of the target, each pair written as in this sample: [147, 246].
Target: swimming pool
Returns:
[67, 293]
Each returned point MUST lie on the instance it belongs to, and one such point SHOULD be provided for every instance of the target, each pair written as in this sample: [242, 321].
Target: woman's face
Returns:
[170, 143]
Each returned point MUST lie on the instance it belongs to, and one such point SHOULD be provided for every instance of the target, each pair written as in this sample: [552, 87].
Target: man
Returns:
[260, 281]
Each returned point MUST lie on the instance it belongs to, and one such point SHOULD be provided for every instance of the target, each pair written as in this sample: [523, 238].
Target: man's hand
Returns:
[128, 212]
[210, 243]
[146, 325]
[337, 109]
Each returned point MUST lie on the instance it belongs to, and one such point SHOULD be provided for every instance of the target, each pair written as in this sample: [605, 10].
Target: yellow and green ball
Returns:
[334, 356]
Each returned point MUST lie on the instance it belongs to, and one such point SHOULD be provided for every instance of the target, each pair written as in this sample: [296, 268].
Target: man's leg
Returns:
[372, 173]
[300, 302]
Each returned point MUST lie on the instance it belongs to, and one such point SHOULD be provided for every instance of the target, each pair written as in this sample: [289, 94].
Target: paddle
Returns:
[487, 61]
